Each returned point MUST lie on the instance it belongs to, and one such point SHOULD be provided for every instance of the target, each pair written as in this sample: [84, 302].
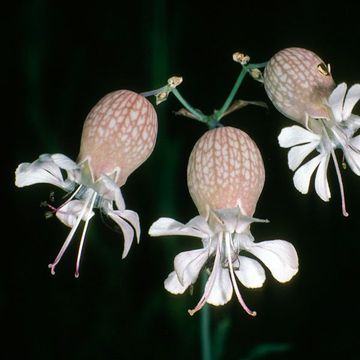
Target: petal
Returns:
[352, 155]
[297, 154]
[250, 273]
[108, 188]
[42, 170]
[222, 289]
[279, 256]
[303, 175]
[127, 230]
[199, 223]
[232, 220]
[119, 199]
[321, 181]
[336, 101]
[352, 97]
[173, 285]
[188, 264]
[133, 218]
[296, 135]
[70, 211]
[355, 142]
[196, 227]
[64, 162]
[352, 124]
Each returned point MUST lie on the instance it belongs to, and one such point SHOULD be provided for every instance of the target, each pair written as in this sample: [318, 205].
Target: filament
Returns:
[69, 237]
[233, 280]
[83, 235]
[210, 283]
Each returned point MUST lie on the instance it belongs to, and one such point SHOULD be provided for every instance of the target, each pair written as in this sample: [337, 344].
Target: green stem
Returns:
[205, 327]
[232, 94]
[152, 92]
[256, 66]
[199, 115]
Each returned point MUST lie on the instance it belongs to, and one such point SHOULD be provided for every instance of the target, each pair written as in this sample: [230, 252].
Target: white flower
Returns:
[86, 195]
[226, 242]
[118, 135]
[325, 135]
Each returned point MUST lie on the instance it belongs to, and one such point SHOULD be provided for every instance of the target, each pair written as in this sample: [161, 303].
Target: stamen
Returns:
[344, 143]
[69, 237]
[343, 163]
[71, 197]
[338, 173]
[232, 276]
[53, 209]
[83, 235]
[210, 283]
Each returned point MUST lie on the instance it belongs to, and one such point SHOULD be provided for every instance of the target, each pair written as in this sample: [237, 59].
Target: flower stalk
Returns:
[212, 120]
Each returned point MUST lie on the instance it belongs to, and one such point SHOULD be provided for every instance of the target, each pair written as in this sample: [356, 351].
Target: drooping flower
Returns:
[225, 179]
[301, 87]
[119, 134]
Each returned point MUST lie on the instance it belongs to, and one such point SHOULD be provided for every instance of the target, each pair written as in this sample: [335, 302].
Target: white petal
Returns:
[72, 169]
[279, 256]
[69, 212]
[222, 290]
[188, 264]
[355, 142]
[133, 218]
[110, 190]
[173, 285]
[352, 97]
[321, 181]
[352, 155]
[127, 230]
[232, 220]
[297, 154]
[64, 162]
[196, 227]
[119, 200]
[42, 170]
[336, 101]
[303, 175]
[352, 124]
[250, 273]
[296, 135]
[199, 223]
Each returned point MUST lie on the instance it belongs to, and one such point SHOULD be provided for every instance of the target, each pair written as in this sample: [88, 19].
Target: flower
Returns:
[326, 117]
[225, 179]
[298, 82]
[119, 134]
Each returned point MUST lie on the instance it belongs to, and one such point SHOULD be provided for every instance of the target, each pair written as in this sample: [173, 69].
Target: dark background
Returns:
[59, 59]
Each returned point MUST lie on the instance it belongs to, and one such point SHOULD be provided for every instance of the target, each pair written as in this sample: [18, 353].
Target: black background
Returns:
[59, 59]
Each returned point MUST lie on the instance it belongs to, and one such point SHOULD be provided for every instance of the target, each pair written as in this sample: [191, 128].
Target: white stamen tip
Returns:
[52, 268]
